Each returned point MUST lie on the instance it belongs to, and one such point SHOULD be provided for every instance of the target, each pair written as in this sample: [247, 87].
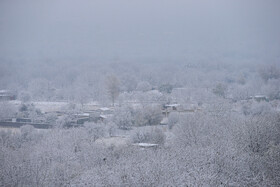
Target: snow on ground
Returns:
[15, 102]
[116, 141]
[45, 106]
[12, 130]
[91, 106]
[17, 130]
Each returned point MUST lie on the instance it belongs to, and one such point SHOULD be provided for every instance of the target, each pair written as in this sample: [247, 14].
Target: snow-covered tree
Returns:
[113, 88]
[7, 110]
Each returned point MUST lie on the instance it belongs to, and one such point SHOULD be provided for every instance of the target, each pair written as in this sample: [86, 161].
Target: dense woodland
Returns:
[88, 81]
[232, 141]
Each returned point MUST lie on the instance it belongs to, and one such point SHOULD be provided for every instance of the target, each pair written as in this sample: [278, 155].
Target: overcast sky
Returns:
[139, 28]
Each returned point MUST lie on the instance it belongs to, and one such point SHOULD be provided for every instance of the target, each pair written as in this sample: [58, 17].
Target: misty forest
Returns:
[139, 93]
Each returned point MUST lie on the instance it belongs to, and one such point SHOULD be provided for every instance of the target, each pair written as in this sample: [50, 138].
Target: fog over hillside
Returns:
[139, 93]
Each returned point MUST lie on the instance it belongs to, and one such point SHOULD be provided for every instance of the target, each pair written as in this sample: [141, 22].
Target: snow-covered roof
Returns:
[164, 121]
[83, 114]
[146, 145]
[172, 105]
[182, 88]
[106, 116]
[5, 91]
[103, 116]
[260, 96]
[104, 109]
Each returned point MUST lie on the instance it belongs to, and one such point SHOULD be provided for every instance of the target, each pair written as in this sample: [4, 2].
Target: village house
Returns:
[7, 95]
